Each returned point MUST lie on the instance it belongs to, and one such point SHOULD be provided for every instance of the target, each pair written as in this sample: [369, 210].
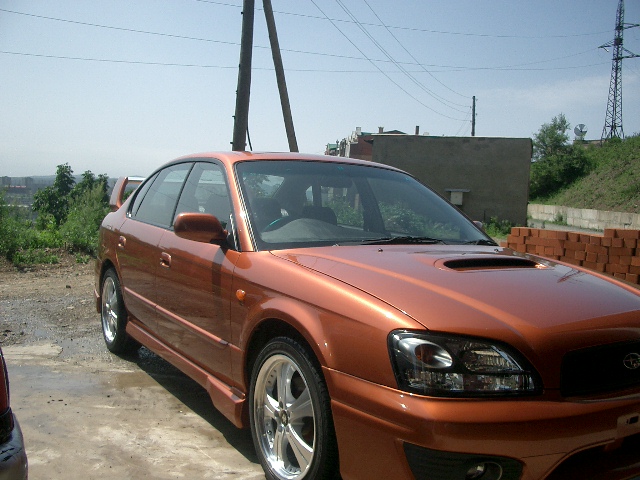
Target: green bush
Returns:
[497, 228]
[86, 211]
[556, 163]
[557, 171]
[613, 182]
[69, 215]
[19, 240]
[345, 213]
[33, 257]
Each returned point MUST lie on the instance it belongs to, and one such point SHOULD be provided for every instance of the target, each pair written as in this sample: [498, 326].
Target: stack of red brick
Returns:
[616, 253]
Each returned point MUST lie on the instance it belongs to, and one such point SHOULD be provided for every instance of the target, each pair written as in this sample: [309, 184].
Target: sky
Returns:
[120, 87]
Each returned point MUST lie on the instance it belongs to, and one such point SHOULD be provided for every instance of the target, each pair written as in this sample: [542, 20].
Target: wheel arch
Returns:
[268, 329]
[106, 266]
[99, 281]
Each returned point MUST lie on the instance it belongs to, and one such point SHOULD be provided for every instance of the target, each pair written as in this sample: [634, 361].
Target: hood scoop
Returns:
[490, 263]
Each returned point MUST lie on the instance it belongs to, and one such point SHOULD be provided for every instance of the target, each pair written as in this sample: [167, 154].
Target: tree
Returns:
[54, 200]
[556, 163]
[90, 182]
[551, 139]
[86, 211]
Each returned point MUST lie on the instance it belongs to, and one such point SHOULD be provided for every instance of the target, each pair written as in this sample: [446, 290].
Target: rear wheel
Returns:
[114, 316]
[291, 422]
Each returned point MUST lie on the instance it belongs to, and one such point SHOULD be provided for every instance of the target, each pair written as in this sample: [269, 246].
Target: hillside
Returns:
[614, 183]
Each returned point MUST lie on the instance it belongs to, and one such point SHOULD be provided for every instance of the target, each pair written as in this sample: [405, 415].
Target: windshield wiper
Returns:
[400, 240]
[482, 241]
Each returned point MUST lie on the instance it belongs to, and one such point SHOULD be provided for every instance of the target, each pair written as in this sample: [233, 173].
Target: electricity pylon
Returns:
[613, 121]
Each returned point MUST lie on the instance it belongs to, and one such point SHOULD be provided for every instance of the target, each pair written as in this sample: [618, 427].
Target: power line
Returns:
[301, 70]
[466, 123]
[110, 60]
[390, 57]
[122, 29]
[424, 30]
[379, 69]
[168, 35]
[412, 57]
[236, 44]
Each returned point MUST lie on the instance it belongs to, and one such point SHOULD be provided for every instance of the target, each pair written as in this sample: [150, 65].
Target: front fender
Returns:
[346, 328]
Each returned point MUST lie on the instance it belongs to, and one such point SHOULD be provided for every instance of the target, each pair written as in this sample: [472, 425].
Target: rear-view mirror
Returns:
[199, 227]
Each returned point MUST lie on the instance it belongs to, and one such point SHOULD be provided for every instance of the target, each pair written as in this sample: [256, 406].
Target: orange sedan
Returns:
[363, 327]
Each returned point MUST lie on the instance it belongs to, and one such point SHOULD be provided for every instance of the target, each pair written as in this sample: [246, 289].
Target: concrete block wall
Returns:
[616, 252]
[584, 217]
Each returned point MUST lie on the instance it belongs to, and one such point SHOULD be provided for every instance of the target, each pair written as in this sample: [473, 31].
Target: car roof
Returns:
[231, 158]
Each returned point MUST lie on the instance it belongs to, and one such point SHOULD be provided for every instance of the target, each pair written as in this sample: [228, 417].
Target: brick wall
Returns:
[616, 252]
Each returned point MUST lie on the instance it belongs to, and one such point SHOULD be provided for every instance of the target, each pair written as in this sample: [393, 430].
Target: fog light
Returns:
[475, 472]
[484, 471]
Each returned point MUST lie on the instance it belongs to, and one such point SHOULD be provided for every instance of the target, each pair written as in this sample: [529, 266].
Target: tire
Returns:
[114, 316]
[291, 427]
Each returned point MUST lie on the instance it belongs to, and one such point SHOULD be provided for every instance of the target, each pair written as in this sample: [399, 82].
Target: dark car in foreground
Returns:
[362, 326]
[13, 457]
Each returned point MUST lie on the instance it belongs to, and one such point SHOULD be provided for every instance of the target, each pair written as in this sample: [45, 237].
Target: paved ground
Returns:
[88, 414]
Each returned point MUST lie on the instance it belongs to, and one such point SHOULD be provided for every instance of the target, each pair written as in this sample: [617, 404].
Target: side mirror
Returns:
[200, 227]
[479, 224]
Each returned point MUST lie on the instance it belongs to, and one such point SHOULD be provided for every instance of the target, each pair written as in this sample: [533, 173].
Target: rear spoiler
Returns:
[122, 189]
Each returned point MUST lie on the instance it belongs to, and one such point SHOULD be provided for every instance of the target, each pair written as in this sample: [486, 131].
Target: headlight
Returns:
[443, 365]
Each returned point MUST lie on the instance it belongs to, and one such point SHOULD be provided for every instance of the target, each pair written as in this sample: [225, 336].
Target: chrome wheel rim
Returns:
[109, 310]
[284, 418]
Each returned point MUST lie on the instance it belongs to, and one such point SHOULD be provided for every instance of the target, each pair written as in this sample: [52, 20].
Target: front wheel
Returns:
[290, 414]
[114, 316]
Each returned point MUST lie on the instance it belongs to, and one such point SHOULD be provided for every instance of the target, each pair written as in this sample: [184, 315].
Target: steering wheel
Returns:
[278, 223]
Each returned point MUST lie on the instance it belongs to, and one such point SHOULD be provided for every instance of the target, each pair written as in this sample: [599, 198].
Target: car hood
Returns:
[539, 306]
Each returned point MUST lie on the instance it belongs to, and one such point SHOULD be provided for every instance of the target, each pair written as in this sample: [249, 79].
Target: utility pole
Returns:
[473, 117]
[241, 118]
[613, 121]
[282, 84]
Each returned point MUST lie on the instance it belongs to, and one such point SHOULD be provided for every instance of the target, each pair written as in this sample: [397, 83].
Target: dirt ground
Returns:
[86, 413]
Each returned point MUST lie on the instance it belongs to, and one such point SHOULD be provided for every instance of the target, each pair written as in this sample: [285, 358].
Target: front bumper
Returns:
[377, 427]
[13, 457]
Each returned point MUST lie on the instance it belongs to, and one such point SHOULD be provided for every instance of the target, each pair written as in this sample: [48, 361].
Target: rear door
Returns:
[149, 216]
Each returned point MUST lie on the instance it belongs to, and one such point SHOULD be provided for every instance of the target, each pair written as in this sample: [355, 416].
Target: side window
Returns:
[206, 192]
[140, 194]
[159, 201]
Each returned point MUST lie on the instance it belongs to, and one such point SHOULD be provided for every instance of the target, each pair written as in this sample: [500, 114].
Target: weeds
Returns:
[24, 241]
[82, 259]
[497, 228]
[613, 184]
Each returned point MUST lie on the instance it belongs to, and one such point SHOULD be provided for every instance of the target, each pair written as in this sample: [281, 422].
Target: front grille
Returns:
[601, 369]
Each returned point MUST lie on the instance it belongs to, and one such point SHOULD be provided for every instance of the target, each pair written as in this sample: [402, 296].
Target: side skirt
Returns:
[228, 400]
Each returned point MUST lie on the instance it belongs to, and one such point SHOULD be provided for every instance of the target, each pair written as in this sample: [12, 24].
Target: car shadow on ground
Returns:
[195, 397]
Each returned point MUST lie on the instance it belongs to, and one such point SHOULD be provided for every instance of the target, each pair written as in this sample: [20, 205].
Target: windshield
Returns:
[294, 204]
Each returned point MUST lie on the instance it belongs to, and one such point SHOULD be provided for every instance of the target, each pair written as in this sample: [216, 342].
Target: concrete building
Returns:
[485, 177]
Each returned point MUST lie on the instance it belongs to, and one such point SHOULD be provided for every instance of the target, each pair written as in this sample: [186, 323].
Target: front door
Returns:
[194, 279]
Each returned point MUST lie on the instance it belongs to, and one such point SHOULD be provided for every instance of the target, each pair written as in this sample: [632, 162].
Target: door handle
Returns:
[122, 241]
[165, 260]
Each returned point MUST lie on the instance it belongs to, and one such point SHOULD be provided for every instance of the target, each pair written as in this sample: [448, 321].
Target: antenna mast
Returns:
[613, 121]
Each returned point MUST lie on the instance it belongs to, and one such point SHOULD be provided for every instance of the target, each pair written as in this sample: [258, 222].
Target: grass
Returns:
[614, 183]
